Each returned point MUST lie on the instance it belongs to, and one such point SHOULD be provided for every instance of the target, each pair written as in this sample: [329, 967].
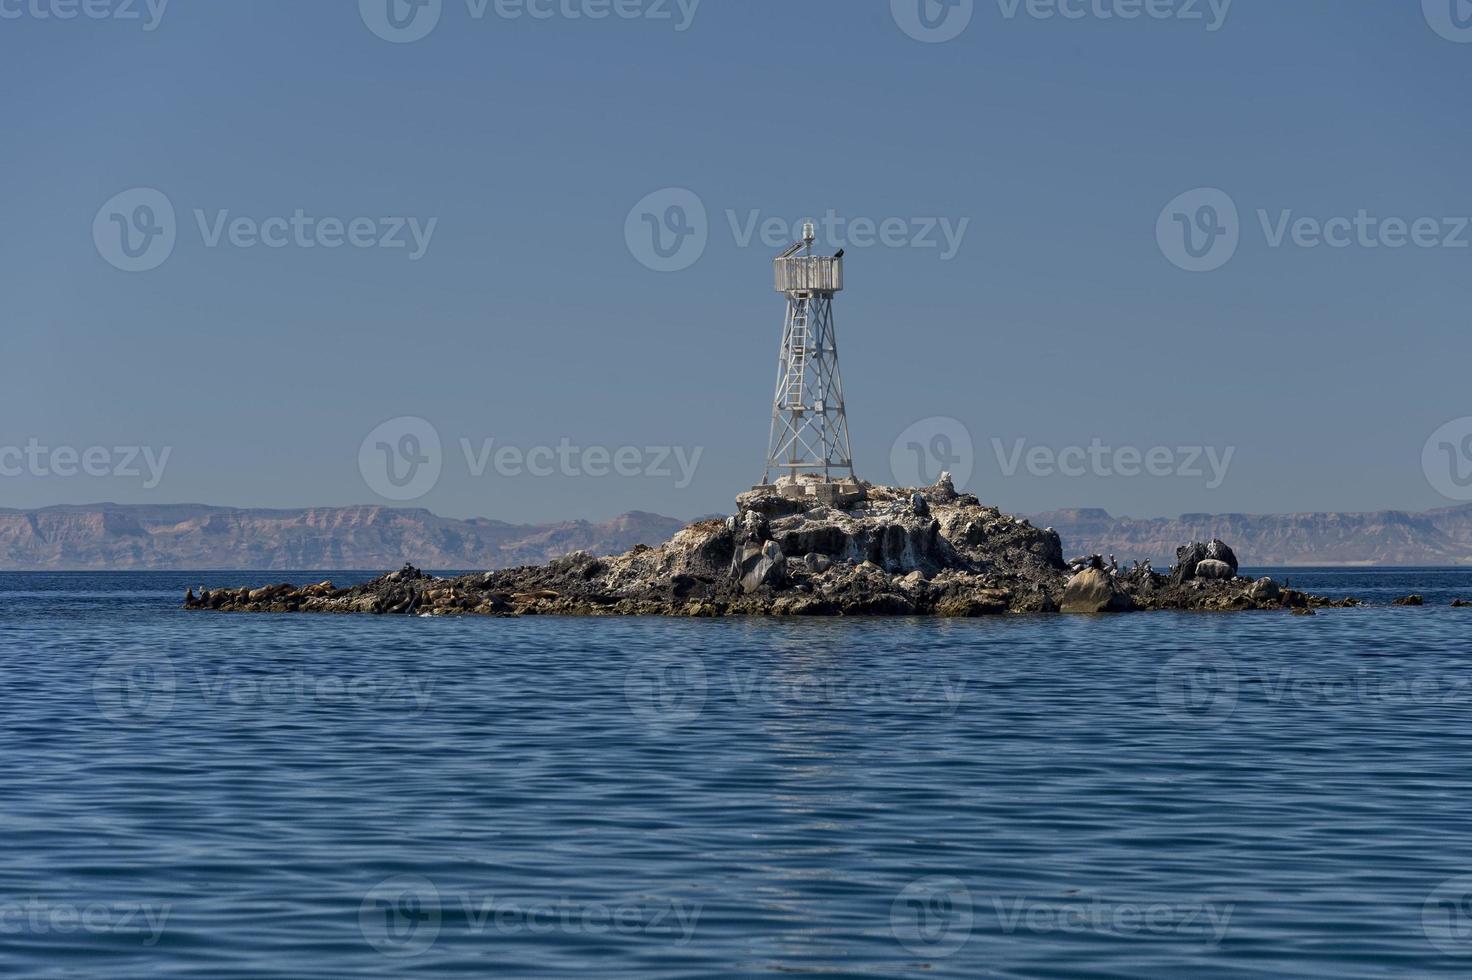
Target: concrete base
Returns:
[831, 494]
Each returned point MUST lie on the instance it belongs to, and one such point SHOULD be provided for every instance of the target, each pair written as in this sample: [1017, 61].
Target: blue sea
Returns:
[190, 794]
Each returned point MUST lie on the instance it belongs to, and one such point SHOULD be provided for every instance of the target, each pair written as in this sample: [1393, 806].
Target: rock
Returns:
[1460, 603]
[754, 526]
[1213, 569]
[803, 606]
[1188, 556]
[1265, 590]
[1093, 590]
[1048, 547]
[682, 585]
[884, 604]
[1410, 600]
[944, 491]
[1303, 611]
[270, 593]
[987, 602]
[1217, 550]
[875, 551]
[760, 566]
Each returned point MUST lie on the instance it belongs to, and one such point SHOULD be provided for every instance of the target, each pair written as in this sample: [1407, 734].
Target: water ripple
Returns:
[1168, 795]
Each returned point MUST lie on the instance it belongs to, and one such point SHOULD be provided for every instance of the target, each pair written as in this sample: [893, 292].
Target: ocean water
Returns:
[1166, 795]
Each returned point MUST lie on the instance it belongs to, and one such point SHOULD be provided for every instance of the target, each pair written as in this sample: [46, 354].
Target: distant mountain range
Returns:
[1387, 537]
[197, 537]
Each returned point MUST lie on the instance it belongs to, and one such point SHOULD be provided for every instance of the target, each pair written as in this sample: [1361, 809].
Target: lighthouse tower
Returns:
[809, 444]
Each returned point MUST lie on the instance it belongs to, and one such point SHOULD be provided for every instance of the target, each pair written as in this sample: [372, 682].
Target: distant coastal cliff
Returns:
[1390, 537]
[188, 536]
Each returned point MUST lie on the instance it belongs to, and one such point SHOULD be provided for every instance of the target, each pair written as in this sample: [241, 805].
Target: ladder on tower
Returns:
[798, 348]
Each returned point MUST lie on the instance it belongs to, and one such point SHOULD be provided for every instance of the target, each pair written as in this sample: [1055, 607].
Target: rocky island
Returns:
[795, 550]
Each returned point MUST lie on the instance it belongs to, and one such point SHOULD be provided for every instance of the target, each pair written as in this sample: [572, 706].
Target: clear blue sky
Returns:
[529, 319]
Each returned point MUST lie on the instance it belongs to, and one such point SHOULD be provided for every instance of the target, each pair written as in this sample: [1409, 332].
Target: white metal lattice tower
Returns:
[809, 426]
